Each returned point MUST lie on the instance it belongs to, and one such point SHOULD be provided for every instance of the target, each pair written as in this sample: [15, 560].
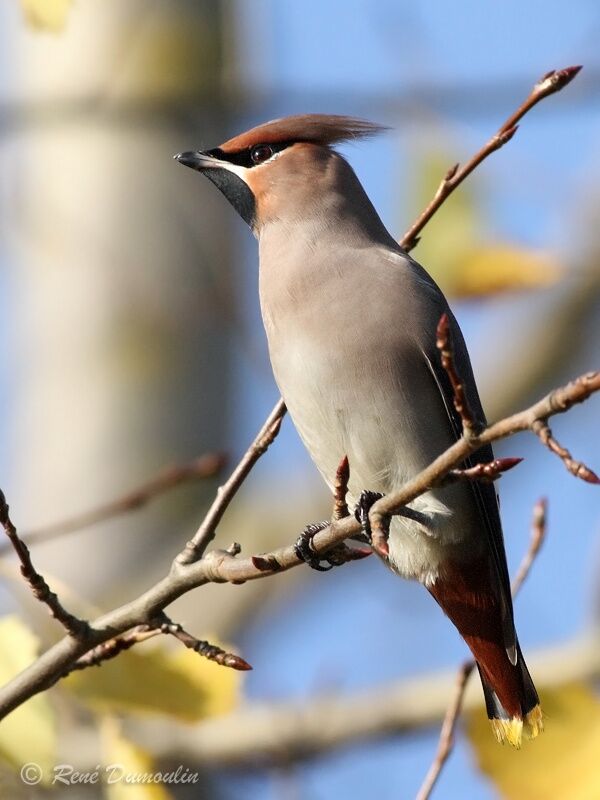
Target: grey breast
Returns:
[347, 333]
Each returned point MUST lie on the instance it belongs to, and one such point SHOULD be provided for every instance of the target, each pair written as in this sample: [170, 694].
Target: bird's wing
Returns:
[484, 493]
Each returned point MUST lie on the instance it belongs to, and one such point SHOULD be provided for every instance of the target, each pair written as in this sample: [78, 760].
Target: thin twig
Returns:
[576, 468]
[76, 627]
[538, 534]
[113, 647]
[141, 633]
[556, 402]
[484, 473]
[446, 739]
[550, 83]
[205, 466]
[344, 554]
[340, 489]
[195, 548]
[202, 647]
[461, 404]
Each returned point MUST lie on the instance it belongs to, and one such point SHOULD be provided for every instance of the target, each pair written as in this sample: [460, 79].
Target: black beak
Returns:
[197, 160]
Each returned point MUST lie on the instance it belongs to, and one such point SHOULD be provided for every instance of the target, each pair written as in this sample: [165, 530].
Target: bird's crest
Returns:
[324, 129]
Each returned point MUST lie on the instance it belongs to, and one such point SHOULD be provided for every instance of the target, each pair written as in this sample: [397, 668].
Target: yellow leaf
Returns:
[561, 764]
[49, 15]
[129, 773]
[159, 680]
[28, 734]
[453, 247]
[502, 268]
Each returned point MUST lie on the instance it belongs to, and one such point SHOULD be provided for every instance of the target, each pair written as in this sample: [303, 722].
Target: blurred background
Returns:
[130, 338]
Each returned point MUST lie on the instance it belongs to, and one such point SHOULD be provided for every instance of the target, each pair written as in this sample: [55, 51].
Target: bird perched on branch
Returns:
[351, 325]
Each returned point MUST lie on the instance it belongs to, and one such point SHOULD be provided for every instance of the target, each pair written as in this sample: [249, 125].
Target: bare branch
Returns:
[112, 648]
[446, 740]
[550, 83]
[485, 473]
[342, 554]
[536, 540]
[220, 566]
[141, 633]
[39, 587]
[340, 489]
[461, 404]
[205, 466]
[202, 647]
[556, 402]
[206, 532]
[576, 468]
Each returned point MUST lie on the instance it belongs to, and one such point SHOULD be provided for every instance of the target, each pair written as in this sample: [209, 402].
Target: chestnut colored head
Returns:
[286, 169]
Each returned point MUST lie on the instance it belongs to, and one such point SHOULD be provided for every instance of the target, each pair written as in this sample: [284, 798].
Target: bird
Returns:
[350, 320]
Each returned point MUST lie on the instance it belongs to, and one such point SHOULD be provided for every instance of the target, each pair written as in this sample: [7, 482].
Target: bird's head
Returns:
[285, 169]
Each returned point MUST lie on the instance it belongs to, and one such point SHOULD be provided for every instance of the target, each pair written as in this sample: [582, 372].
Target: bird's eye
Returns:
[261, 153]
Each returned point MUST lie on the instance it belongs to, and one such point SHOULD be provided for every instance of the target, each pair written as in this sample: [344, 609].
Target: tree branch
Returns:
[549, 84]
[41, 591]
[446, 740]
[219, 566]
[205, 466]
[195, 548]
[484, 473]
[340, 489]
[536, 540]
[556, 402]
[112, 648]
[202, 647]
[576, 468]
[444, 344]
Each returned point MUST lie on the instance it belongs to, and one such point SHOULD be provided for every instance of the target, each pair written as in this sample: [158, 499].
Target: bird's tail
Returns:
[523, 714]
[477, 610]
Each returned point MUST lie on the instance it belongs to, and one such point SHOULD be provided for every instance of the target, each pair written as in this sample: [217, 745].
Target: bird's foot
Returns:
[339, 555]
[305, 550]
[377, 538]
[361, 511]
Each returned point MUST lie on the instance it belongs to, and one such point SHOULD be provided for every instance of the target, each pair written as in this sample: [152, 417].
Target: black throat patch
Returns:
[236, 191]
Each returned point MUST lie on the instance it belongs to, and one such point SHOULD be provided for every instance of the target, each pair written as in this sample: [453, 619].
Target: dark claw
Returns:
[304, 547]
[361, 512]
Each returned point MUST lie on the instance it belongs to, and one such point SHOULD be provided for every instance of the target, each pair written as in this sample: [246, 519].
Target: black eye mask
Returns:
[243, 158]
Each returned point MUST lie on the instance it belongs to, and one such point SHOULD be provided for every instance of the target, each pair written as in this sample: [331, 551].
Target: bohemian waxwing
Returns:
[351, 326]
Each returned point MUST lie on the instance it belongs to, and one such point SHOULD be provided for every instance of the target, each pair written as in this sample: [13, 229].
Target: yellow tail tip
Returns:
[534, 722]
[511, 730]
[508, 730]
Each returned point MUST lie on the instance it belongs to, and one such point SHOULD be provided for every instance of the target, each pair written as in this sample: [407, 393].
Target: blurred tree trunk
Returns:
[118, 259]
